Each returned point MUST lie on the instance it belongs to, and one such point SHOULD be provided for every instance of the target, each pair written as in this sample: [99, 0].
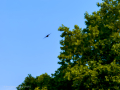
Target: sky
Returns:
[24, 24]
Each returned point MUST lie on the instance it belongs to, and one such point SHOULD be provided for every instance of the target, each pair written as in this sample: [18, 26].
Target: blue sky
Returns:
[24, 24]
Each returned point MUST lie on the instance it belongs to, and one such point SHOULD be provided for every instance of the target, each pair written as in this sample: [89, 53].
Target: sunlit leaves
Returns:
[100, 27]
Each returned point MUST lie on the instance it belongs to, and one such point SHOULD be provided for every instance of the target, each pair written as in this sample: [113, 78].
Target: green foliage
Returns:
[28, 84]
[97, 44]
[43, 88]
[99, 47]
[44, 82]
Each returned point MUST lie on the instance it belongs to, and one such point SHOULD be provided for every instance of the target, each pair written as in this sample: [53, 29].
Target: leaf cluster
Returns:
[96, 45]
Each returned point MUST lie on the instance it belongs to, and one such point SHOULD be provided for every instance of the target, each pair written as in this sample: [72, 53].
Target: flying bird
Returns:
[47, 36]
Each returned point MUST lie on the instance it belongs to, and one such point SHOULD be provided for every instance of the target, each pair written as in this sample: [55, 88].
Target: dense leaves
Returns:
[96, 45]
[102, 34]
[28, 84]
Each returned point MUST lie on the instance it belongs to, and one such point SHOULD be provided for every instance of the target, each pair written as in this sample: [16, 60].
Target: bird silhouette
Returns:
[47, 36]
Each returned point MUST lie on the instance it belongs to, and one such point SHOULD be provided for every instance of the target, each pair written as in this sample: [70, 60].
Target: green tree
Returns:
[98, 44]
[61, 82]
[45, 82]
[28, 84]
[42, 82]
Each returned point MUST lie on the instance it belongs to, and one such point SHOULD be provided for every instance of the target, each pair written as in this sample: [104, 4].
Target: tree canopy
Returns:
[97, 44]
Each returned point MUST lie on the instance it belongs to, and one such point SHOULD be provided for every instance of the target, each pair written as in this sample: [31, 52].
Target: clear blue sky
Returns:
[24, 24]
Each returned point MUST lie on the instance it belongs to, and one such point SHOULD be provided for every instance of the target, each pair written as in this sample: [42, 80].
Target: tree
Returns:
[98, 44]
[42, 82]
[28, 84]
[45, 82]
[61, 82]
